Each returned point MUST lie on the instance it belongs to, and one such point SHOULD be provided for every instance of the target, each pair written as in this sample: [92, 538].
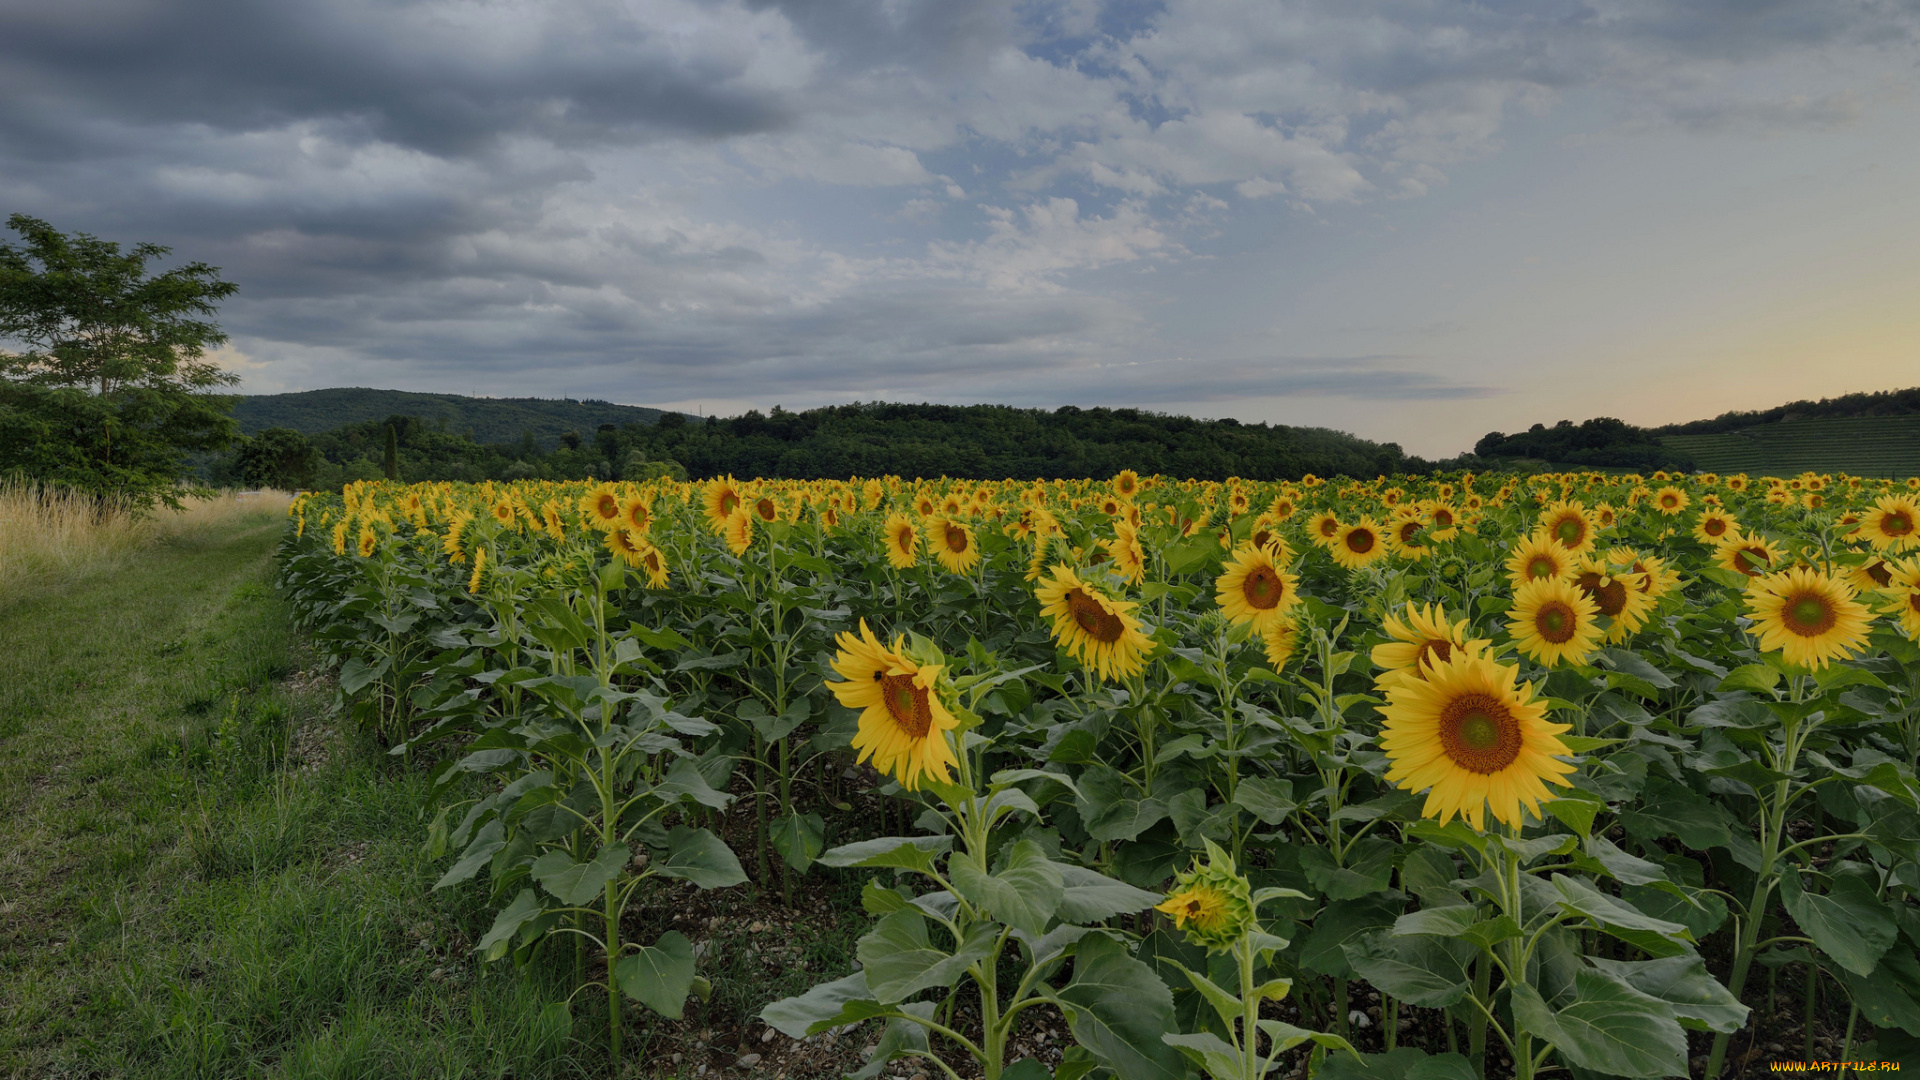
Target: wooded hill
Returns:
[874, 439]
[486, 420]
[1872, 434]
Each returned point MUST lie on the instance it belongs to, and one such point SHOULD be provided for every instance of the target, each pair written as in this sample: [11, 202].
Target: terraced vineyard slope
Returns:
[1876, 446]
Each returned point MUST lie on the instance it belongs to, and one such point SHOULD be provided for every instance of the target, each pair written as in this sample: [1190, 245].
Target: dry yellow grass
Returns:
[48, 537]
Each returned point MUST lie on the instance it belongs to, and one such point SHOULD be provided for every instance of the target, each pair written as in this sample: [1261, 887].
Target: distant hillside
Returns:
[1876, 434]
[1879, 446]
[998, 441]
[491, 420]
[1878, 403]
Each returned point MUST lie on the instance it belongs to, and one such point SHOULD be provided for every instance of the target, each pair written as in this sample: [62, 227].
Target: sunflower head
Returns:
[903, 720]
[1211, 902]
[1810, 616]
[1474, 739]
[1569, 524]
[1552, 621]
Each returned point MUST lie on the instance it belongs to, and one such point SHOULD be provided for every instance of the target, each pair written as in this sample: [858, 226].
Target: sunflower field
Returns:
[1425, 778]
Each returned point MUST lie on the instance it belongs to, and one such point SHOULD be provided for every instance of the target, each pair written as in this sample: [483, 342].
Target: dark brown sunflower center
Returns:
[1556, 622]
[1440, 651]
[1669, 501]
[766, 509]
[1442, 518]
[1093, 617]
[956, 540]
[1569, 530]
[1749, 560]
[1713, 526]
[1879, 573]
[1611, 598]
[907, 704]
[1409, 530]
[1261, 537]
[1542, 566]
[1479, 734]
[1896, 524]
[608, 507]
[1913, 600]
[1360, 541]
[1809, 614]
[1263, 588]
[653, 561]
[1329, 527]
[728, 501]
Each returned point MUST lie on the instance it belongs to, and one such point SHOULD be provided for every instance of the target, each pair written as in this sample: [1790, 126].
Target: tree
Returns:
[390, 460]
[113, 389]
[277, 458]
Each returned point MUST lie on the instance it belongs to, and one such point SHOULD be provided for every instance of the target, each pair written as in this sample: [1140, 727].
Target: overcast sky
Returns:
[1417, 221]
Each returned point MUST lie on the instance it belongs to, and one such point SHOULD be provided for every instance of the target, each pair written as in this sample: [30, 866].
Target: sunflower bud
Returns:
[1212, 902]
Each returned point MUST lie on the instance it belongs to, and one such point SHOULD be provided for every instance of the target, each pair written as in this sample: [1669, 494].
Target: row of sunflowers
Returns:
[1552, 760]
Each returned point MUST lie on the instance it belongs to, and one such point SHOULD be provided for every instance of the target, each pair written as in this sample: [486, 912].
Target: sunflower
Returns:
[340, 538]
[479, 564]
[1283, 506]
[1254, 591]
[1425, 633]
[738, 530]
[1266, 534]
[1621, 597]
[721, 498]
[1199, 905]
[1406, 535]
[903, 724]
[627, 545]
[924, 505]
[901, 540]
[1101, 633]
[952, 543]
[1714, 526]
[1280, 638]
[550, 519]
[1750, 555]
[1324, 528]
[1538, 558]
[1443, 520]
[636, 514]
[601, 506]
[1570, 524]
[1811, 617]
[1903, 597]
[1129, 558]
[1874, 574]
[1473, 738]
[1238, 502]
[1656, 580]
[1359, 544]
[368, 541]
[1892, 525]
[1814, 500]
[1212, 902]
[1552, 620]
[1671, 500]
[654, 563]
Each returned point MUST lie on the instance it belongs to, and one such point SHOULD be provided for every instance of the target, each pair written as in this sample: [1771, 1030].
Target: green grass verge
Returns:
[187, 891]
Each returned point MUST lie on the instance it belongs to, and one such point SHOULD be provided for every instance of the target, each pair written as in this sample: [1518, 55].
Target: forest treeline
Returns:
[873, 439]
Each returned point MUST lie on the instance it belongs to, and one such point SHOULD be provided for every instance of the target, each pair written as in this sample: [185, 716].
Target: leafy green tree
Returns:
[278, 458]
[112, 390]
[390, 460]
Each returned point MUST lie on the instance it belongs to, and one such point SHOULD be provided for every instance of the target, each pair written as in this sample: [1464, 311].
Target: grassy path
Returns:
[198, 878]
